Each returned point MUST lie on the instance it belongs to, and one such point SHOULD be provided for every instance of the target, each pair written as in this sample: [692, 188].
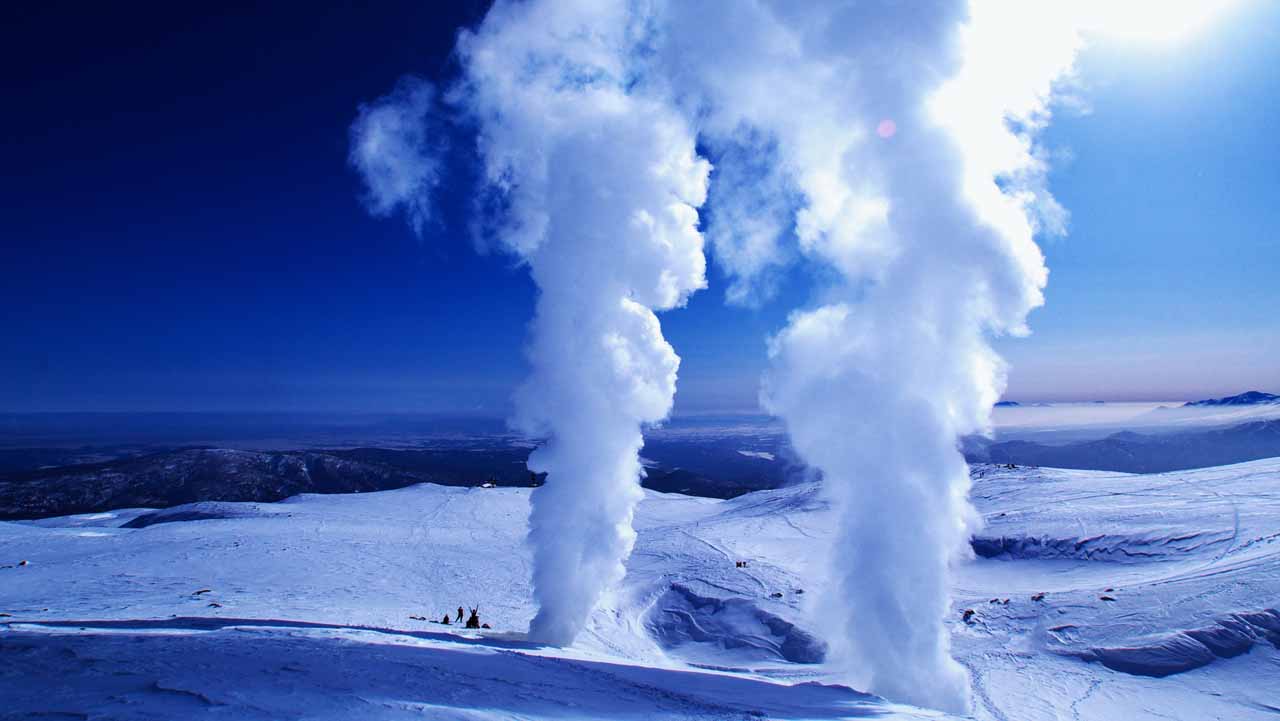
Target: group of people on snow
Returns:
[473, 621]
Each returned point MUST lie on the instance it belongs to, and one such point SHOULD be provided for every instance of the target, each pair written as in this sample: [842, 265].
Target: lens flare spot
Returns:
[887, 128]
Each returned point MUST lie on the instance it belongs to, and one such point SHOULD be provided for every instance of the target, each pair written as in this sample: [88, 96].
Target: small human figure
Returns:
[474, 620]
[446, 620]
[459, 614]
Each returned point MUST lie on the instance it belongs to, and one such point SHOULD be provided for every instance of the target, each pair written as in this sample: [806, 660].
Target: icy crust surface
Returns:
[1171, 582]
[1127, 597]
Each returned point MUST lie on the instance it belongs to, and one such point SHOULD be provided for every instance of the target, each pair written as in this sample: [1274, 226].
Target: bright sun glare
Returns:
[1153, 21]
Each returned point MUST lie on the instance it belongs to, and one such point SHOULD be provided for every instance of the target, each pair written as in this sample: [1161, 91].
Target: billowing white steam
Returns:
[596, 180]
[889, 142]
[601, 181]
[893, 122]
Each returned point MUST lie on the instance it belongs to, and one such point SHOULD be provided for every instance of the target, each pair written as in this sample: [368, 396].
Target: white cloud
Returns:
[396, 153]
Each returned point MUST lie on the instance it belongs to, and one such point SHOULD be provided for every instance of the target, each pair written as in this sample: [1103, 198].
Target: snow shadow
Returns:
[681, 618]
[1120, 548]
[1227, 637]
[503, 640]
[246, 672]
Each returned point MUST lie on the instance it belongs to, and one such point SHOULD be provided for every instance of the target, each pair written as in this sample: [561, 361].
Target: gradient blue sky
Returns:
[181, 231]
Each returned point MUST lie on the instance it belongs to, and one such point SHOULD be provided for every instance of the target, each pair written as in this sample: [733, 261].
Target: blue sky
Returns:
[182, 231]
[1166, 284]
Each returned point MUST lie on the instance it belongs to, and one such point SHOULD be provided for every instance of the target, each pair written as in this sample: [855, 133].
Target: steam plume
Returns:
[892, 143]
[596, 180]
[894, 122]
[601, 181]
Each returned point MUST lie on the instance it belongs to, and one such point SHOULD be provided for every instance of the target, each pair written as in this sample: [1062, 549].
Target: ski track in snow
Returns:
[301, 609]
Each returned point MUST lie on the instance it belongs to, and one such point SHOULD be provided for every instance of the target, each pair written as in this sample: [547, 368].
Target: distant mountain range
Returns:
[196, 474]
[1251, 398]
[719, 462]
[1139, 453]
[712, 467]
[1248, 398]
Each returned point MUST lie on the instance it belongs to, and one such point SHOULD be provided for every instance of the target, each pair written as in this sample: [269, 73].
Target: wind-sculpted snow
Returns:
[317, 608]
[1166, 655]
[341, 673]
[320, 607]
[1149, 575]
[203, 511]
[1120, 548]
[681, 617]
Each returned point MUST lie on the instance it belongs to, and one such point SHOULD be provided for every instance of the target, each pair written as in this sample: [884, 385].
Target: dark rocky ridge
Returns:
[161, 479]
[195, 474]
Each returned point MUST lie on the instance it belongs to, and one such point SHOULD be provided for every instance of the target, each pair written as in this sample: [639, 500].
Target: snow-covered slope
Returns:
[306, 608]
[1160, 593]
